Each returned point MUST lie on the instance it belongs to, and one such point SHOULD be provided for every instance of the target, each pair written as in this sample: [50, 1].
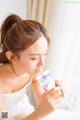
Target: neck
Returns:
[17, 73]
[14, 70]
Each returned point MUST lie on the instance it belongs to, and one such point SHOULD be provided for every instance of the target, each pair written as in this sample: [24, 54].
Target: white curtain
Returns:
[62, 21]
[64, 59]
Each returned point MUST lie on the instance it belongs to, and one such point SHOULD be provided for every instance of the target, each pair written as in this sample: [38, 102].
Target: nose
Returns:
[41, 62]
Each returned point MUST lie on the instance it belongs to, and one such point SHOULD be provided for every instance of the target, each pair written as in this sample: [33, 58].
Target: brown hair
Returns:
[17, 35]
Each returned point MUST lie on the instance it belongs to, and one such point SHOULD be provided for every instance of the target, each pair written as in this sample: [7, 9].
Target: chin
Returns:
[30, 72]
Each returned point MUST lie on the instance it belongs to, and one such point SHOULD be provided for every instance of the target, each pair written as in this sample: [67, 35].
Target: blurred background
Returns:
[62, 20]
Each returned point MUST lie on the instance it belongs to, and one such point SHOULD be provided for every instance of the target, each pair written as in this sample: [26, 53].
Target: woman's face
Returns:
[33, 58]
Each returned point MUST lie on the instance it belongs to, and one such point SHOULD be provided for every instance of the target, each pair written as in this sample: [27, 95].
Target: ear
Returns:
[11, 57]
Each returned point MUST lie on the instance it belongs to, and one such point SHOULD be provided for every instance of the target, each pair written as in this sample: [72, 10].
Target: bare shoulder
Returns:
[4, 87]
[2, 71]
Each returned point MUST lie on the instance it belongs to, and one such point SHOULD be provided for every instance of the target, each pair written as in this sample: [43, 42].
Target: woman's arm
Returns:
[49, 102]
[37, 89]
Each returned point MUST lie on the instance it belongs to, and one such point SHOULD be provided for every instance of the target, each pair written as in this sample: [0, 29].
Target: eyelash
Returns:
[38, 57]
[34, 58]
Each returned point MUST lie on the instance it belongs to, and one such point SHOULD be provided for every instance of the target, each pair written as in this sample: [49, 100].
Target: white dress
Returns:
[17, 102]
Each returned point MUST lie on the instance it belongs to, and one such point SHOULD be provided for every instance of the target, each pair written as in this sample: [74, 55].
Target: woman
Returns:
[24, 48]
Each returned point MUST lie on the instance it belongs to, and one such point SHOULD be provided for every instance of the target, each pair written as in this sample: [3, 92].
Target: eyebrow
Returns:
[34, 54]
[37, 54]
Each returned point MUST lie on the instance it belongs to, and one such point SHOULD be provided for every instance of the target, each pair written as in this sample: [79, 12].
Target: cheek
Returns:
[30, 68]
[32, 64]
[28, 65]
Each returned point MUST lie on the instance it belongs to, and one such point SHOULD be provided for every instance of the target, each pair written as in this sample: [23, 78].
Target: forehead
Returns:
[41, 45]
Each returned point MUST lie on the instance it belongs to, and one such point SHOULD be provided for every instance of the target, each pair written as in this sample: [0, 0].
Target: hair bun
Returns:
[7, 24]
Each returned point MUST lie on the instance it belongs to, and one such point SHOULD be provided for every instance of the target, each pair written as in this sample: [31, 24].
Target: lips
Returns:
[37, 71]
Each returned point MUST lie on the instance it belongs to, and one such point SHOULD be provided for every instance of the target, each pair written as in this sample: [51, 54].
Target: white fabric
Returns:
[17, 102]
[60, 114]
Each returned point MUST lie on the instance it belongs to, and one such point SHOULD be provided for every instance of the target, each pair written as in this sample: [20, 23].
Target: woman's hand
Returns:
[60, 83]
[49, 102]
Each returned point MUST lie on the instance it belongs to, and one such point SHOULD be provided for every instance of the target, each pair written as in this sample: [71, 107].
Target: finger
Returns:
[58, 100]
[60, 90]
[56, 103]
[56, 95]
[59, 83]
[57, 90]
[51, 92]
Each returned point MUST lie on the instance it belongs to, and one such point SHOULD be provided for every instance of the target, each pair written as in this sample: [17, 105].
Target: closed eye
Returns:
[34, 58]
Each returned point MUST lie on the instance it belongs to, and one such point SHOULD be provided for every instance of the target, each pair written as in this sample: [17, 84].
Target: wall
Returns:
[12, 6]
